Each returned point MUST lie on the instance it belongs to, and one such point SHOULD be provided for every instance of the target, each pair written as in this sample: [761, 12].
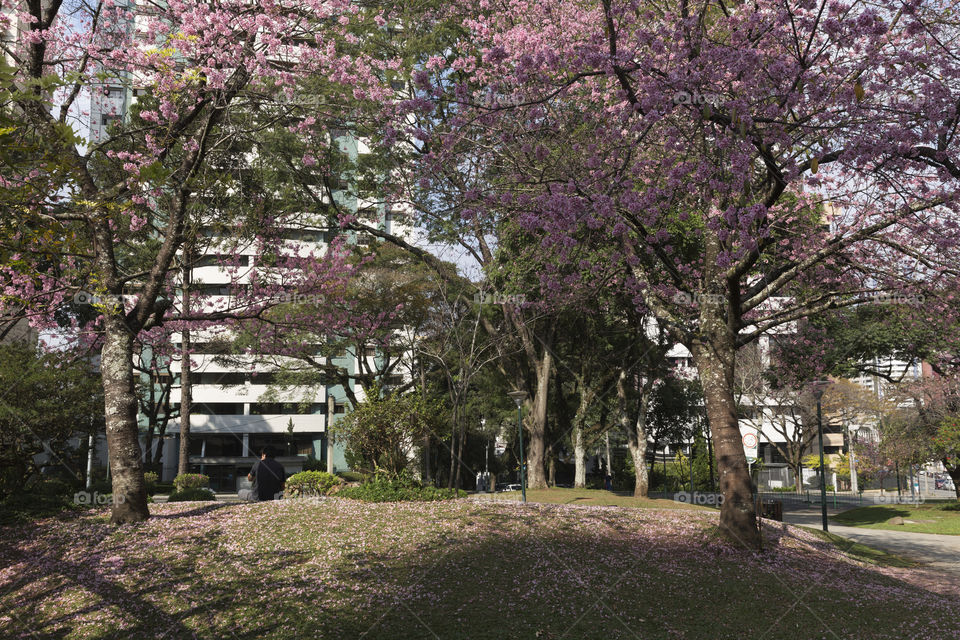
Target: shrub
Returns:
[352, 476]
[783, 489]
[311, 483]
[381, 488]
[150, 479]
[192, 494]
[163, 487]
[312, 464]
[955, 506]
[190, 481]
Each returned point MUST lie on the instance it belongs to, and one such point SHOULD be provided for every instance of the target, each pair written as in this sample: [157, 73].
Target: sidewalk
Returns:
[940, 552]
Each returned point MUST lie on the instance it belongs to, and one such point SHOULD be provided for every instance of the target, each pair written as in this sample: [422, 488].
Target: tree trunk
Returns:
[120, 404]
[425, 455]
[186, 382]
[552, 474]
[460, 441]
[954, 472]
[713, 486]
[537, 425]
[636, 433]
[606, 439]
[714, 359]
[579, 458]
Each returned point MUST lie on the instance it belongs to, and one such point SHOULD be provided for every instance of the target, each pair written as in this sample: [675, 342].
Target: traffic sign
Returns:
[750, 442]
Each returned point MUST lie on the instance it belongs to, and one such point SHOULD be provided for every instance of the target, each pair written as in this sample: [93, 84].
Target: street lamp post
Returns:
[818, 388]
[519, 397]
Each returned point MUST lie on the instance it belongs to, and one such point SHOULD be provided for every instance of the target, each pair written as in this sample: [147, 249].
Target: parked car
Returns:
[943, 481]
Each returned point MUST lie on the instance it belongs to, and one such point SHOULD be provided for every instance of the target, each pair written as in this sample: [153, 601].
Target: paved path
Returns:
[940, 552]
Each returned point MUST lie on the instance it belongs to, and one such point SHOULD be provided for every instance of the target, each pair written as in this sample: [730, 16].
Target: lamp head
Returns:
[518, 397]
[817, 388]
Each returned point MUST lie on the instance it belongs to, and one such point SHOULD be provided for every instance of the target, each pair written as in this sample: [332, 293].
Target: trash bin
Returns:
[772, 510]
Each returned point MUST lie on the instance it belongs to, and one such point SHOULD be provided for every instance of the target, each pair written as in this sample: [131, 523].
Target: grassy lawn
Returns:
[930, 517]
[334, 568]
[590, 497]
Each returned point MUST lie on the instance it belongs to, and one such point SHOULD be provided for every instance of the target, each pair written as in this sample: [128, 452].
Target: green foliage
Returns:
[192, 494]
[46, 496]
[378, 433]
[190, 481]
[351, 476]
[150, 479]
[49, 399]
[383, 488]
[312, 464]
[790, 489]
[311, 483]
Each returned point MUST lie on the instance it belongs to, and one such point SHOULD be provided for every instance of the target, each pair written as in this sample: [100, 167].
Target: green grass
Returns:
[862, 552]
[930, 517]
[333, 568]
[590, 497]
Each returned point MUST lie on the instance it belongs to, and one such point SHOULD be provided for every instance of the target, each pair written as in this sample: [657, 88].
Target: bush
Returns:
[192, 494]
[312, 464]
[44, 497]
[150, 479]
[783, 489]
[190, 481]
[163, 487]
[381, 488]
[951, 507]
[311, 483]
[352, 476]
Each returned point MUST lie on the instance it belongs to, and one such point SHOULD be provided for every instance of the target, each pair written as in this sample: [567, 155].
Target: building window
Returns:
[218, 408]
[217, 445]
[107, 119]
[221, 378]
[286, 408]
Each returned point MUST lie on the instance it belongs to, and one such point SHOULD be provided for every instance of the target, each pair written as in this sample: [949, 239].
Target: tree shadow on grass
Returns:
[870, 515]
[489, 573]
[198, 511]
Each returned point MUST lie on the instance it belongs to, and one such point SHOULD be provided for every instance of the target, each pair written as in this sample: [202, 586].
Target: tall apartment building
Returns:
[230, 420]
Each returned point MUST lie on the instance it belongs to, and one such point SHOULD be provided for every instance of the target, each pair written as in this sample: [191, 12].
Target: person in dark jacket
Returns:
[267, 476]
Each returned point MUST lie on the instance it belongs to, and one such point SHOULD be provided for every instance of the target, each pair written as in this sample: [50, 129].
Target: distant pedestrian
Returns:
[267, 476]
[608, 482]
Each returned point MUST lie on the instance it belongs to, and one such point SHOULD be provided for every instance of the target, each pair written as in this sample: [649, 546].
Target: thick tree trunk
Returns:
[579, 458]
[552, 472]
[120, 404]
[954, 472]
[636, 431]
[798, 480]
[714, 359]
[537, 425]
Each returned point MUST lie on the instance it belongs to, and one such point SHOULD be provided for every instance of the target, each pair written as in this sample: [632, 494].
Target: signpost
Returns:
[750, 445]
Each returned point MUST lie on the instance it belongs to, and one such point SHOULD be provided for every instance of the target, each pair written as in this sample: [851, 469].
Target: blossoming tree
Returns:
[110, 217]
[757, 163]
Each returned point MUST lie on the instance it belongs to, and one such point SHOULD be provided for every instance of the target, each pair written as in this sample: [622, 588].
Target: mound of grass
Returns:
[457, 569]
